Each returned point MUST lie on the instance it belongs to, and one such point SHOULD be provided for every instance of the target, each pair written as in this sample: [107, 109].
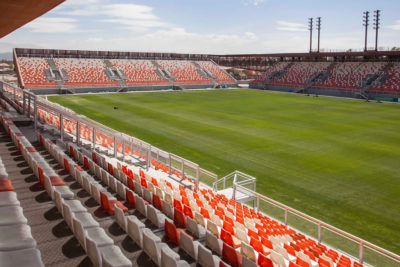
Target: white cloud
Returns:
[254, 2]
[53, 25]
[290, 26]
[395, 26]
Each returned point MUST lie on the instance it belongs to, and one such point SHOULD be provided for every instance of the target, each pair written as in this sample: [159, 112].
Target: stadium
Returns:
[119, 158]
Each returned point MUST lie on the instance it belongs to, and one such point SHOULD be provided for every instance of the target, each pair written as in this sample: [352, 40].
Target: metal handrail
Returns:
[320, 223]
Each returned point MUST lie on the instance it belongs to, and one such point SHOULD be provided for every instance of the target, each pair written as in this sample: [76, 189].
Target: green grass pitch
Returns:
[335, 159]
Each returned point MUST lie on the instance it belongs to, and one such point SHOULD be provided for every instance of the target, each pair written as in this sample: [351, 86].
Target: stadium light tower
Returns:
[366, 24]
[310, 28]
[377, 18]
[319, 31]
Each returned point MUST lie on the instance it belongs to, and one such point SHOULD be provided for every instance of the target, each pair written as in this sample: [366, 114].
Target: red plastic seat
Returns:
[110, 168]
[85, 163]
[41, 174]
[173, 233]
[257, 245]
[264, 261]
[5, 185]
[56, 181]
[131, 183]
[178, 205]
[179, 218]
[157, 203]
[188, 211]
[130, 198]
[71, 150]
[323, 263]
[231, 256]
[108, 205]
[302, 263]
[94, 157]
[228, 227]
[66, 166]
[205, 213]
[229, 239]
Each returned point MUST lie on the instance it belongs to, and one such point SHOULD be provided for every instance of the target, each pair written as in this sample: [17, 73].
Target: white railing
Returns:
[364, 251]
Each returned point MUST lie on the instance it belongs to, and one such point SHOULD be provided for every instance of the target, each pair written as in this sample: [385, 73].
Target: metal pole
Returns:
[78, 132]
[310, 28]
[258, 204]
[197, 177]
[319, 31]
[170, 164]
[115, 147]
[61, 127]
[183, 169]
[94, 138]
[29, 106]
[23, 102]
[319, 233]
[376, 28]
[366, 24]
[361, 255]
[35, 112]
[286, 216]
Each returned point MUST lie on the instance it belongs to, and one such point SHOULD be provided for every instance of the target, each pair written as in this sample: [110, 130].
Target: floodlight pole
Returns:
[319, 31]
[366, 24]
[310, 28]
[377, 14]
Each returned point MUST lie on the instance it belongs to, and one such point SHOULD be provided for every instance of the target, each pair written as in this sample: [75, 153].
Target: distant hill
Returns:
[6, 56]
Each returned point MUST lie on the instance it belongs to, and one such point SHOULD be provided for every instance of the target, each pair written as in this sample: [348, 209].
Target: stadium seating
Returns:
[279, 66]
[32, 71]
[392, 84]
[349, 75]
[138, 72]
[299, 72]
[221, 76]
[84, 72]
[185, 72]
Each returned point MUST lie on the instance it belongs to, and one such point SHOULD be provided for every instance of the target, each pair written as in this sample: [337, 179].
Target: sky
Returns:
[206, 26]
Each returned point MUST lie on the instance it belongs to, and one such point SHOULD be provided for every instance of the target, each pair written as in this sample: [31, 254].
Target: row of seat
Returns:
[144, 237]
[278, 66]
[17, 246]
[32, 71]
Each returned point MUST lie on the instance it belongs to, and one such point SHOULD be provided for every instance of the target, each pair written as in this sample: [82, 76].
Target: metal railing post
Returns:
[115, 147]
[29, 106]
[170, 164]
[234, 192]
[61, 127]
[94, 138]
[148, 158]
[183, 169]
[286, 216]
[23, 102]
[197, 177]
[78, 132]
[35, 112]
[361, 255]
[319, 233]
[258, 204]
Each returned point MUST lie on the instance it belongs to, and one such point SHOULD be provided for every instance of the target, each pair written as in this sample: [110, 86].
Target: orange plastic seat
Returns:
[172, 232]
[56, 181]
[108, 205]
[205, 213]
[228, 227]
[5, 185]
[231, 256]
[179, 218]
[302, 263]
[157, 203]
[229, 239]
[130, 198]
[257, 245]
[188, 211]
[66, 166]
[110, 168]
[264, 261]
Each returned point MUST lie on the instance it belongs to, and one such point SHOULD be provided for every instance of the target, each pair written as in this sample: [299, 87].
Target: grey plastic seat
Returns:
[120, 217]
[24, 257]
[147, 195]
[14, 237]
[104, 176]
[8, 198]
[195, 229]
[112, 256]
[152, 246]
[95, 189]
[121, 189]
[135, 229]
[169, 258]
[12, 215]
[156, 217]
[95, 238]
[214, 243]
[206, 258]
[140, 205]
[138, 188]
[188, 245]
[246, 262]
[167, 209]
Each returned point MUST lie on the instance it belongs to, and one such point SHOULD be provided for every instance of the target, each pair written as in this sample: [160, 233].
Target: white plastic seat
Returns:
[246, 262]
[95, 238]
[95, 189]
[120, 217]
[278, 258]
[214, 243]
[15, 237]
[112, 256]
[8, 198]
[169, 258]
[12, 215]
[152, 246]
[25, 257]
[167, 209]
[206, 258]
[121, 190]
[213, 228]
[85, 219]
[140, 205]
[194, 228]
[156, 217]
[284, 253]
[147, 195]
[188, 245]
[135, 230]
[249, 252]
[138, 188]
